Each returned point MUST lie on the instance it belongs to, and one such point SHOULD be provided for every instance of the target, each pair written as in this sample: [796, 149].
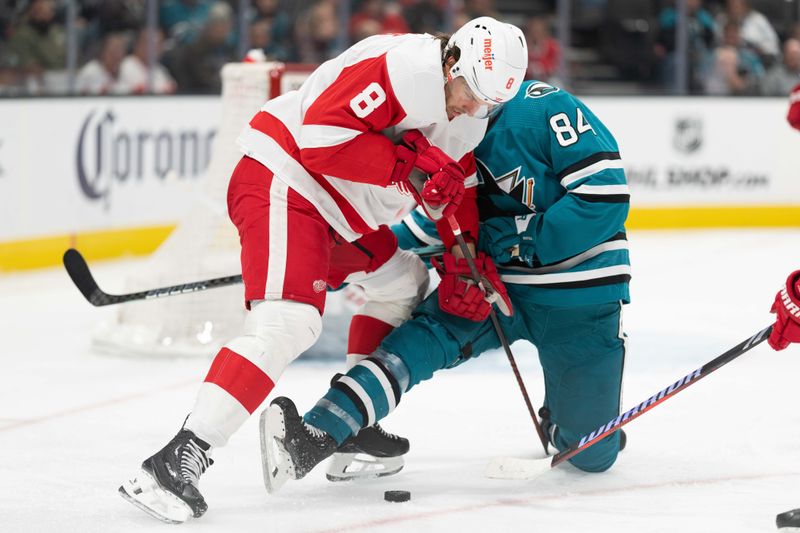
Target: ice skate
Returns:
[373, 452]
[166, 487]
[290, 448]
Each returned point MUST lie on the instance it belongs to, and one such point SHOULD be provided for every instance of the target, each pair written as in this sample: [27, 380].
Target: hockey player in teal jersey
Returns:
[553, 201]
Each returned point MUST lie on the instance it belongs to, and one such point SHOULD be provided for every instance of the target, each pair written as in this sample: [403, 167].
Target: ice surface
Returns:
[722, 456]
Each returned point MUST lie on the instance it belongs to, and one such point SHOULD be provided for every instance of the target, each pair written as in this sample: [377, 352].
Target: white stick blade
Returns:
[515, 468]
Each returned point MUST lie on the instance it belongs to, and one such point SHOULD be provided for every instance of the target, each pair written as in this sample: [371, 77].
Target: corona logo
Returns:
[488, 56]
[110, 155]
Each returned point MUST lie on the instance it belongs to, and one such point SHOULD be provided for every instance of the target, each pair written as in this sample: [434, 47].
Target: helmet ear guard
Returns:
[493, 59]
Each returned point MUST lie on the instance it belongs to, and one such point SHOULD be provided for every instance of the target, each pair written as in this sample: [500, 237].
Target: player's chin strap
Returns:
[496, 323]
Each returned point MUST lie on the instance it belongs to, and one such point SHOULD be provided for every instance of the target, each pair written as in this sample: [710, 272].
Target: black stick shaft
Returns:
[661, 396]
[82, 277]
[498, 329]
[79, 272]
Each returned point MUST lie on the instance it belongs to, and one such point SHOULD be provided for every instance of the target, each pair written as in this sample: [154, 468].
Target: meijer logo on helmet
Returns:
[488, 56]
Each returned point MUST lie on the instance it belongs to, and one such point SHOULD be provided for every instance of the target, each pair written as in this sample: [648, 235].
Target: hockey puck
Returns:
[788, 519]
[396, 495]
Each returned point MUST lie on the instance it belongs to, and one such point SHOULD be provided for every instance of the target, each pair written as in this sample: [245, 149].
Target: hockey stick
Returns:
[498, 328]
[513, 468]
[81, 276]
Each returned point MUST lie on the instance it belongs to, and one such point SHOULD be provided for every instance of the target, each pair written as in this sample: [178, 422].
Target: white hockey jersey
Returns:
[333, 139]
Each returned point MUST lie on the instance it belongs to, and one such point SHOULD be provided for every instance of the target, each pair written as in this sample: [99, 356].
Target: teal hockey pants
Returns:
[581, 350]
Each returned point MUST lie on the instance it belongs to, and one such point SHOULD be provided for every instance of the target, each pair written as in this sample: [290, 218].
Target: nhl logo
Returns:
[688, 135]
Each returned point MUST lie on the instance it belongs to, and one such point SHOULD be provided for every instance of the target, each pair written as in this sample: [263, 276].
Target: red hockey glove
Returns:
[787, 306]
[794, 108]
[460, 296]
[441, 193]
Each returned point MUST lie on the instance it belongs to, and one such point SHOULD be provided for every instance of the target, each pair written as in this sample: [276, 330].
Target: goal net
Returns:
[206, 245]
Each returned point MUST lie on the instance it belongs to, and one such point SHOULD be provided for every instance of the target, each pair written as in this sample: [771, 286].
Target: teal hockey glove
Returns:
[506, 237]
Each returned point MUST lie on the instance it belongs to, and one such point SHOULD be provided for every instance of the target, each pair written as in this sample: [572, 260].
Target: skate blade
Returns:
[275, 460]
[145, 493]
[514, 468]
[354, 466]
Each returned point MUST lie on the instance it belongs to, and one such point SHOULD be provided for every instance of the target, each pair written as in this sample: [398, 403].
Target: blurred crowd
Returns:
[733, 48]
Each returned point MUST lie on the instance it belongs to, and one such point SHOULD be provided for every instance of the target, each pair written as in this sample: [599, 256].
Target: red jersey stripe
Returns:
[240, 378]
[274, 128]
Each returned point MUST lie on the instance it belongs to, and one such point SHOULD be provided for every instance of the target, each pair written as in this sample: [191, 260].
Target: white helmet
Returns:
[493, 60]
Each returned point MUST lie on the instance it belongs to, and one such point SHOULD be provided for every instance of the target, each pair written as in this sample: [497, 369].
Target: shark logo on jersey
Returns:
[512, 183]
[510, 180]
[539, 89]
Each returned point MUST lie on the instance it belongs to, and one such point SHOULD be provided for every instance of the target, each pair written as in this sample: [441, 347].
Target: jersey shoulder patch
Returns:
[540, 89]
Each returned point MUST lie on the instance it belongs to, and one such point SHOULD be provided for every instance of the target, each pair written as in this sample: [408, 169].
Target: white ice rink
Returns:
[722, 456]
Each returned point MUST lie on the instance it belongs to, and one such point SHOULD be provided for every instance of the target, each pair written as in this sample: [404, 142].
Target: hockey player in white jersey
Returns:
[391, 121]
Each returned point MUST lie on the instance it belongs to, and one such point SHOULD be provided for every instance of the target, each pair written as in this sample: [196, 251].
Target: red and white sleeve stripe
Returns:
[340, 135]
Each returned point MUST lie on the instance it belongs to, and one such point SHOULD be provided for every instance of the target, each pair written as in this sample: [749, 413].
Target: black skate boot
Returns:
[551, 430]
[789, 521]
[290, 447]
[375, 441]
[373, 452]
[166, 486]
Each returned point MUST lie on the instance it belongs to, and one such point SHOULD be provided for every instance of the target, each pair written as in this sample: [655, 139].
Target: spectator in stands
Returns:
[134, 73]
[544, 53]
[316, 32]
[197, 65]
[112, 16]
[38, 47]
[8, 13]
[102, 75]
[700, 30]
[754, 28]
[279, 24]
[10, 79]
[795, 31]
[388, 17]
[480, 8]
[364, 28]
[260, 37]
[184, 20]
[11, 82]
[781, 78]
[424, 16]
[734, 69]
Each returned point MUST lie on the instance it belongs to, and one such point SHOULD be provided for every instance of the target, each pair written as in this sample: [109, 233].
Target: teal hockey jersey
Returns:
[547, 155]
